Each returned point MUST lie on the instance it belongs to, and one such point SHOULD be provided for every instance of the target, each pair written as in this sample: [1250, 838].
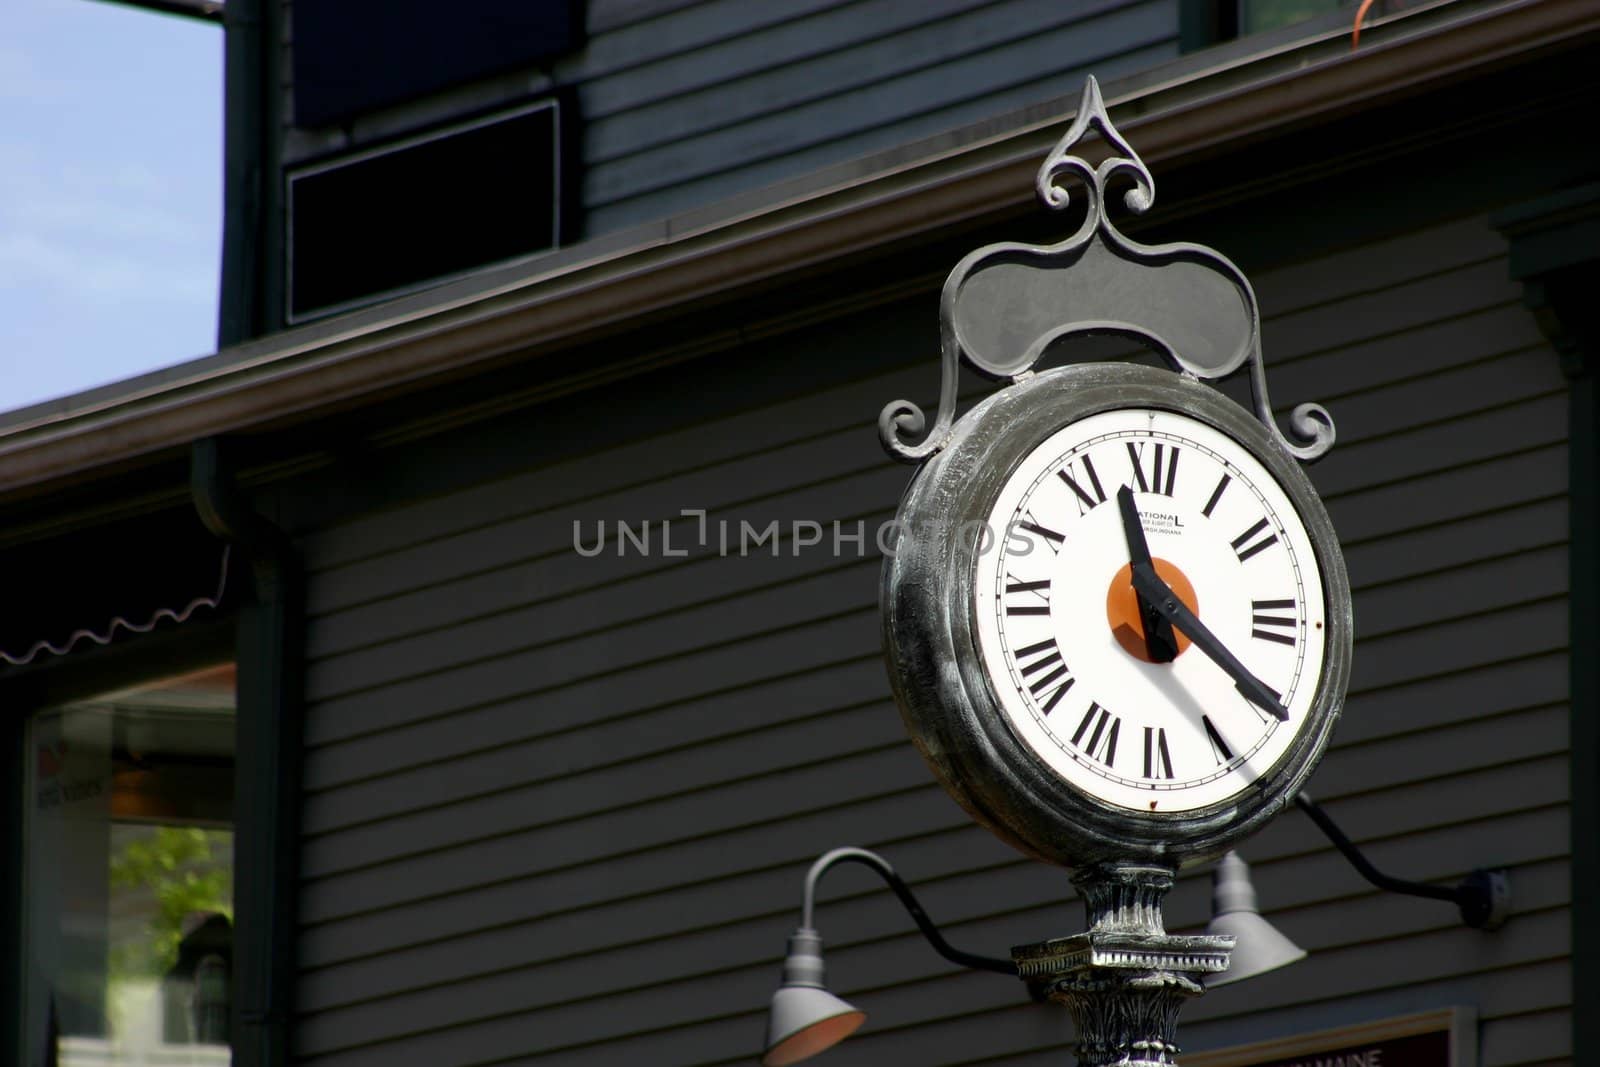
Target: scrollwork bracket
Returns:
[1005, 305]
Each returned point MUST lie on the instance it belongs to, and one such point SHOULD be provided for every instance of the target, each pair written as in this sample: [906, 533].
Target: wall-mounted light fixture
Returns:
[805, 1018]
[1258, 947]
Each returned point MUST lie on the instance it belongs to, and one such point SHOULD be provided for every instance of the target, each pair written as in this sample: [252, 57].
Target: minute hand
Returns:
[1161, 597]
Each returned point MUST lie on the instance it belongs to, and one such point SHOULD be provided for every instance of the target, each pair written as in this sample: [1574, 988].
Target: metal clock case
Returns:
[933, 599]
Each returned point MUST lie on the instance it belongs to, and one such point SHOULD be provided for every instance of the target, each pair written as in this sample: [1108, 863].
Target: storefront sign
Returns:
[1438, 1039]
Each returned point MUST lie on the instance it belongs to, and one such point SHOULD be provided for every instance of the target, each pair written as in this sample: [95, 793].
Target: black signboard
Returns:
[1443, 1038]
[1419, 1050]
[394, 217]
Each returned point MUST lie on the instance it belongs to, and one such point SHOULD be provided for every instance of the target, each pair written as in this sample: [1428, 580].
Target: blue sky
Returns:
[110, 194]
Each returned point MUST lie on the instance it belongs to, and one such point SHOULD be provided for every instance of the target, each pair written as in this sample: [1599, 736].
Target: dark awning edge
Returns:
[118, 623]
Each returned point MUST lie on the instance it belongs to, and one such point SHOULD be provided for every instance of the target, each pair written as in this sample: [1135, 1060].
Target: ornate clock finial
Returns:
[1005, 305]
[1061, 161]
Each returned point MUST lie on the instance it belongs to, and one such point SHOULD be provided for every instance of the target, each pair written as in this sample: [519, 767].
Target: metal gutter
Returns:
[597, 287]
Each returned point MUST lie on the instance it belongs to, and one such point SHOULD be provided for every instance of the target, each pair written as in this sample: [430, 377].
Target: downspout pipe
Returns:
[268, 744]
[251, 292]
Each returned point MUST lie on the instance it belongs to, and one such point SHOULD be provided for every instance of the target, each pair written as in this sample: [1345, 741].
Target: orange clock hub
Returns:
[1122, 607]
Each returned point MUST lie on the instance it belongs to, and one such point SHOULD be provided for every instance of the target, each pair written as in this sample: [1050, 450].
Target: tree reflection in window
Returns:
[130, 877]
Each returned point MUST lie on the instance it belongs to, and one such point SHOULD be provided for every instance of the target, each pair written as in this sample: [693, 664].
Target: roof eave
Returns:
[714, 253]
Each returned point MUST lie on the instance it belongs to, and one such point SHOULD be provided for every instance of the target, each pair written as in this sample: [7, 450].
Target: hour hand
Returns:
[1150, 587]
[1158, 639]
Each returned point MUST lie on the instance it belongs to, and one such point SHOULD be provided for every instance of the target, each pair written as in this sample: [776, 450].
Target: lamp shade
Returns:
[1258, 946]
[805, 1018]
[804, 1022]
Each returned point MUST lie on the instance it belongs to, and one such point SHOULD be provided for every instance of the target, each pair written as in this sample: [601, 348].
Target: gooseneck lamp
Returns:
[805, 1018]
[1258, 946]
[1483, 898]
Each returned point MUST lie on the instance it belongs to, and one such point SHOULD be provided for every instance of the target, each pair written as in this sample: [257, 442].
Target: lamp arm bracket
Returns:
[829, 859]
[1483, 897]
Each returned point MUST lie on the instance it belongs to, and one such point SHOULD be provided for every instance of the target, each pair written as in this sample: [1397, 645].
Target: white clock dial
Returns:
[1069, 653]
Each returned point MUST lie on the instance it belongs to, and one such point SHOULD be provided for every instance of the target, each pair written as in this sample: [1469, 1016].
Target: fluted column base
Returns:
[1126, 978]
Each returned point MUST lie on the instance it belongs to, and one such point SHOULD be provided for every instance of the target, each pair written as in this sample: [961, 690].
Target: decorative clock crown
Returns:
[1004, 305]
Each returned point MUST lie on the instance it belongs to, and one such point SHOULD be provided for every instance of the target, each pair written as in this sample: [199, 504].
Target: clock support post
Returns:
[1124, 979]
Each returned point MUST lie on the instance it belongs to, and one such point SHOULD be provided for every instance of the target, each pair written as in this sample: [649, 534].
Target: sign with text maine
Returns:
[1446, 1038]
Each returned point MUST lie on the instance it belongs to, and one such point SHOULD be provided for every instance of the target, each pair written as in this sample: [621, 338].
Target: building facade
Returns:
[549, 580]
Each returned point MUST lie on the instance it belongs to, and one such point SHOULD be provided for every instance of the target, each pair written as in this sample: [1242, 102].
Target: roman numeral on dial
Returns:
[1032, 598]
[1157, 761]
[1262, 623]
[1216, 495]
[1087, 498]
[1045, 673]
[1096, 735]
[1250, 542]
[1051, 537]
[1219, 748]
[1161, 478]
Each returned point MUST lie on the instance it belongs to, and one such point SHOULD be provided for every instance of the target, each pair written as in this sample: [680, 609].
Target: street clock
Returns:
[1116, 619]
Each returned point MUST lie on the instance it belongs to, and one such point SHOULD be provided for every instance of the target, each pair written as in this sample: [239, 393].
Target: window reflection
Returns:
[1257, 16]
[129, 877]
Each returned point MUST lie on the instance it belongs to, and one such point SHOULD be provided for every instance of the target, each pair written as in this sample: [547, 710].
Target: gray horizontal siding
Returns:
[1515, 745]
[764, 38]
[561, 806]
[855, 92]
[682, 104]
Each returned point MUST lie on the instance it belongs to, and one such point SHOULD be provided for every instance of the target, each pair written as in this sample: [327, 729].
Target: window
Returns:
[387, 219]
[128, 877]
[1257, 16]
[1202, 23]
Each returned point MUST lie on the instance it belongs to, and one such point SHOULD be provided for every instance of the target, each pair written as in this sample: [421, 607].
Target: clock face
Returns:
[1077, 667]
[1080, 720]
